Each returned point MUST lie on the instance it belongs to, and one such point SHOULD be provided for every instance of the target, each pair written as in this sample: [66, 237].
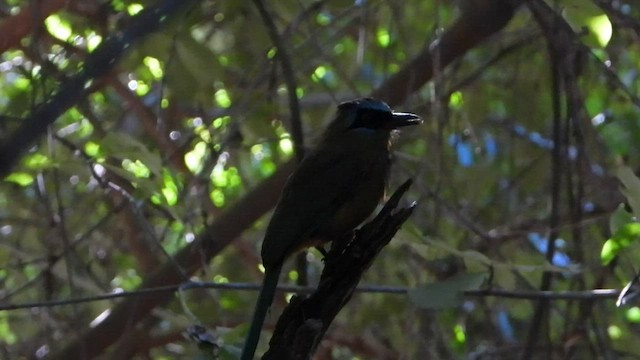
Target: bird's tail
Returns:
[263, 303]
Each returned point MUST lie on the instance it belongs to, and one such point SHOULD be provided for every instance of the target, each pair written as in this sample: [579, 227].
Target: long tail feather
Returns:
[265, 299]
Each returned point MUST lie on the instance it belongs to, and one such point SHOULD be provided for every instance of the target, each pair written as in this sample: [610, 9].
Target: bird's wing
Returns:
[322, 183]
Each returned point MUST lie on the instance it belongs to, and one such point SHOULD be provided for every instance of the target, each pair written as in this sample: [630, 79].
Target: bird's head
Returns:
[367, 118]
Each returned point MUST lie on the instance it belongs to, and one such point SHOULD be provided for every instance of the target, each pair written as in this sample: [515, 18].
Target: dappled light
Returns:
[144, 146]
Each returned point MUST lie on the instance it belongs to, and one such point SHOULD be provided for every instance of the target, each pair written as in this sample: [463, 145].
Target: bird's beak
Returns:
[401, 119]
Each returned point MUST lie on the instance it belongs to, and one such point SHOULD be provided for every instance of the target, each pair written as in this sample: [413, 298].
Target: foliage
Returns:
[196, 116]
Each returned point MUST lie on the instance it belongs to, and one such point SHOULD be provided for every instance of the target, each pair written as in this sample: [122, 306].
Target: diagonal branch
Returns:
[99, 63]
[480, 20]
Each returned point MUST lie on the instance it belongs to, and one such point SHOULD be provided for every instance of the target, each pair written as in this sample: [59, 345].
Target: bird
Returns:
[333, 189]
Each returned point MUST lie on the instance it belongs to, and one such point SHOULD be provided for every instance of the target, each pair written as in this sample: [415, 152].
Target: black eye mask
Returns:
[371, 119]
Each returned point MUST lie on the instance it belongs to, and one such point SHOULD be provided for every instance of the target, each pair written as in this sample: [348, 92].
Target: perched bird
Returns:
[334, 188]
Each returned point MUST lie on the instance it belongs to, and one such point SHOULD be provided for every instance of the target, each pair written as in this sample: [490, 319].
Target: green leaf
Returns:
[621, 240]
[633, 315]
[448, 293]
[20, 178]
[631, 189]
[145, 186]
[586, 15]
[384, 38]
[125, 146]
[37, 161]
[600, 26]
[6, 334]
[137, 168]
[619, 218]
[194, 158]
[170, 188]
[58, 27]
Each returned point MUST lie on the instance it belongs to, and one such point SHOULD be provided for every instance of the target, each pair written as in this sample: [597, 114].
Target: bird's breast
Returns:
[367, 194]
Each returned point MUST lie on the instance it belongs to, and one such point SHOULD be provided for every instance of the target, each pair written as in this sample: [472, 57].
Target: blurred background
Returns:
[161, 168]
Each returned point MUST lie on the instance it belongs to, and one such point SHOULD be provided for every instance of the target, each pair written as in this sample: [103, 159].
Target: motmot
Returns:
[333, 189]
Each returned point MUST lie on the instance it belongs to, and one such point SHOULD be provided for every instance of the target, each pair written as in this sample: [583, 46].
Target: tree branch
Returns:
[305, 320]
[563, 44]
[480, 20]
[214, 239]
[98, 63]
[16, 27]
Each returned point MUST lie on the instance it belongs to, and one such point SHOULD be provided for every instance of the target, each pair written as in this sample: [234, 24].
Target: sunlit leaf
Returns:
[156, 199]
[234, 177]
[319, 73]
[134, 8]
[37, 161]
[20, 178]
[85, 128]
[142, 88]
[136, 167]
[193, 159]
[383, 37]
[154, 66]
[91, 148]
[633, 314]
[170, 187]
[459, 334]
[614, 332]
[588, 15]
[125, 146]
[222, 98]
[6, 334]
[93, 40]
[455, 100]
[601, 26]
[267, 168]
[286, 146]
[145, 186]
[221, 121]
[217, 197]
[21, 83]
[218, 176]
[58, 27]
[621, 240]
